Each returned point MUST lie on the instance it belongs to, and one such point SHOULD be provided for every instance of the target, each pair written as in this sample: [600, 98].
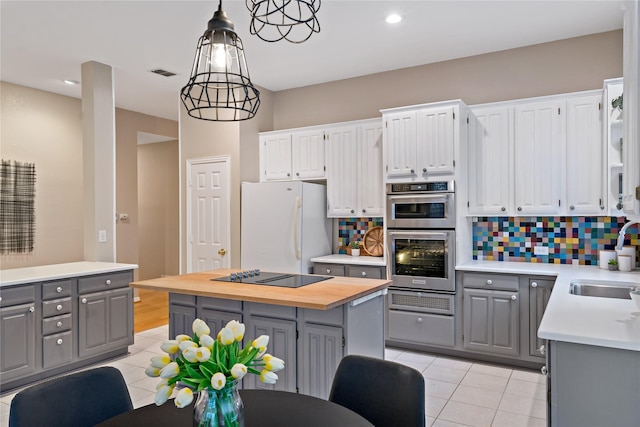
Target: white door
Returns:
[275, 156]
[342, 172]
[208, 214]
[435, 142]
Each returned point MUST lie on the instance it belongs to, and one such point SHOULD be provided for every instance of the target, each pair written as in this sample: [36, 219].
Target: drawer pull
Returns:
[534, 284]
[364, 274]
[59, 325]
[489, 282]
[328, 271]
[542, 350]
[59, 341]
[32, 309]
[513, 297]
[84, 300]
[108, 282]
[59, 307]
[543, 370]
[419, 319]
[59, 289]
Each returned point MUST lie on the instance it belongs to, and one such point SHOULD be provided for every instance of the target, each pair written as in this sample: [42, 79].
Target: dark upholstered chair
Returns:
[386, 393]
[83, 399]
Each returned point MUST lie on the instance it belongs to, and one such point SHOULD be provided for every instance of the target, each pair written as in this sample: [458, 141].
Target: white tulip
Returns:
[152, 372]
[163, 382]
[261, 342]
[170, 371]
[196, 354]
[218, 380]
[187, 344]
[238, 371]
[160, 361]
[225, 336]
[273, 363]
[169, 346]
[268, 377]
[163, 393]
[237, 329]
[184, 397]
[207, 341]
[182, 337]
[200, 327]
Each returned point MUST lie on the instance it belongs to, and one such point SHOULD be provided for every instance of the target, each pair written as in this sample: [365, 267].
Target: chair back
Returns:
[83, 399]
[386, 393]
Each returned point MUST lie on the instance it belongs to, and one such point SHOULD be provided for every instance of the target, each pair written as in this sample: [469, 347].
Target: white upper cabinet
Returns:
[539, 155]
[490, 161]
[421, 141]
[354, 170]
[275, 157]
[287, 155]
[585, 156]
[307, 152]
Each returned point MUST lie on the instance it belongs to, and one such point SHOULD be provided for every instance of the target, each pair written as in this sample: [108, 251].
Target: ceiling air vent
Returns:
[163, 72]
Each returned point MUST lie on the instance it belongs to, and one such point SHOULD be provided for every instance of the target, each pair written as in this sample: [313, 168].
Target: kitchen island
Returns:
[311, 327]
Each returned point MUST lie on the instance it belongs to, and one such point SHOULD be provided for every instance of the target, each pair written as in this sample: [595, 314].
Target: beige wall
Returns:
[570, 65]
[46, 129]
[158, 210]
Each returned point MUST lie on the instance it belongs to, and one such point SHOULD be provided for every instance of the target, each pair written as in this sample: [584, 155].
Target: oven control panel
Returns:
[422, 187]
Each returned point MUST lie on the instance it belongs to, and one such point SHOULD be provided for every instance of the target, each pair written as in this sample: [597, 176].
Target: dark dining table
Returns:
[262, 408]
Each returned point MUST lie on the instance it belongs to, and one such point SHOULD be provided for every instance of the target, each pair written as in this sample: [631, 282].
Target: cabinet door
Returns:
[282, 344]
[370, 179]
[307, 151]
[17, 341]
[539, 294]
[400, 145]
[585, 153]
[435, 141]
[321, 351]
[182, 313]
[342, 172]
[275, 157]
[538, 158]
[491, 321]
[490, 162]
[105, 321]
[218, 319]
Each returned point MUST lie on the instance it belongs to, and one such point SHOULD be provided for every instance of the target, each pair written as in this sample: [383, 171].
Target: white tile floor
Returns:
[458, 392]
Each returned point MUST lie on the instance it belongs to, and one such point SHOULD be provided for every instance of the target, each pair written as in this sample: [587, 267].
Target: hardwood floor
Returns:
[152, 310]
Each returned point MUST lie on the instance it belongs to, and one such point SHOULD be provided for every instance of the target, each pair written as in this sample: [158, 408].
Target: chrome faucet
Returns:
[622, 233]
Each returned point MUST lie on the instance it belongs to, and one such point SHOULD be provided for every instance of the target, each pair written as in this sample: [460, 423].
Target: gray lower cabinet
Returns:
[592, 386]
[182, 313]
[48, 328]
[539, 294]
[350, 270]
[322, 348]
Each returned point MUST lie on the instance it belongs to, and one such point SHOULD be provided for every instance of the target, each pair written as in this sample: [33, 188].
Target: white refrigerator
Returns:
[283, 226]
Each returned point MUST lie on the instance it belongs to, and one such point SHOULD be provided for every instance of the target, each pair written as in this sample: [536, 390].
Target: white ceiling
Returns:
[45, 42]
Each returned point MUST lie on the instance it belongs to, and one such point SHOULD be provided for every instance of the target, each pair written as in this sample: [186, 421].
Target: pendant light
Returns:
[291, 20]
[219, 88]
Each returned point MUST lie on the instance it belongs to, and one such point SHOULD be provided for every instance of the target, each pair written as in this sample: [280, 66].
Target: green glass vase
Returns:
[219, 408]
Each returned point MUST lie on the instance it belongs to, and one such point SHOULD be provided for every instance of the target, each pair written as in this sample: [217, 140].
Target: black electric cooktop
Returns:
[257, 277]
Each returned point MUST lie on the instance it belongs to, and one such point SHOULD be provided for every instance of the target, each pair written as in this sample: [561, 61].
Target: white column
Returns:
[99, 161]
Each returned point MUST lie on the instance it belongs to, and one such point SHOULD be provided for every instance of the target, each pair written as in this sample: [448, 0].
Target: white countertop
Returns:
[377, 261]
[606, 322]
[42, 273]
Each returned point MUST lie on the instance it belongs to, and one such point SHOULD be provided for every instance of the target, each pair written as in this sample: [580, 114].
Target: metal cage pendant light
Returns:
[219, 88]
[291, 20]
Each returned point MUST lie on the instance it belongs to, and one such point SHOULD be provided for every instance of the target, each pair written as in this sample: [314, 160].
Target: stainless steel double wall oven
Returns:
[421, 246]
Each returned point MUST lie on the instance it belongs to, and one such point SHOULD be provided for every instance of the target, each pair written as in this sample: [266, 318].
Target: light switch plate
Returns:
[541, 250]
[102, 236]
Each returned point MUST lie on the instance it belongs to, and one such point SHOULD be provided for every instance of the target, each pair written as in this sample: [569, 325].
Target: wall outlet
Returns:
[102, 236]
[541, 250]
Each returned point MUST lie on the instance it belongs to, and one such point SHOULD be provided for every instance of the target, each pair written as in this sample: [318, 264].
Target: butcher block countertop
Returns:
[323, 295]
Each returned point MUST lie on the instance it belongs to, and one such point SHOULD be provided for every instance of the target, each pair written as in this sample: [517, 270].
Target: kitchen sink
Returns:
[603, 289]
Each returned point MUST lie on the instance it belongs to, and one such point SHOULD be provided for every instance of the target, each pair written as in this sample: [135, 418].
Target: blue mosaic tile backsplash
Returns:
[571, 240]
[350, 229]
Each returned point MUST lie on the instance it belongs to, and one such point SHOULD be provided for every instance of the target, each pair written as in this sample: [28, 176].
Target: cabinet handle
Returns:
[503, 209]
[59, 307]
[32, 309]
[543, 370]
[59, 341]
[424, 170]
[489, 282]
[364, 211]
[413, 171]
[419, 294]
[59, 324]
[534, 284]
[288, 174]
[572, 207]
[419, 319]
[107, 282]
[59, 289]
[328, 271]
[352, 211]
[364, 274]
[519, 209]
[297, 173]
[84, 300]
[513, 297]
[542, 350]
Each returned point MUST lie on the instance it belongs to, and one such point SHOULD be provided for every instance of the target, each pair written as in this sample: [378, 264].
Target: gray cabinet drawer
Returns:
[57, 350]
[104, 282]
[56, 307]
[219, 303]
[490, 281]
[328, 269]
[182, 299]
[270, 310]
[364, 272]
[14, 295]
[422, 328]
[59, 289]
[335, 316]
[56, 324]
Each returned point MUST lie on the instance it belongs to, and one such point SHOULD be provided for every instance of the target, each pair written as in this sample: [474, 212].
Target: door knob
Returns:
[222, 252]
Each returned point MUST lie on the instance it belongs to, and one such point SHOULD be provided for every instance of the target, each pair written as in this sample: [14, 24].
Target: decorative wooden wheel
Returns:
[373, 242]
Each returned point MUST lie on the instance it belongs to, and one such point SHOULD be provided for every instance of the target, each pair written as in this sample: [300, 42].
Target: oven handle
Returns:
[426, 197]
[417, 233]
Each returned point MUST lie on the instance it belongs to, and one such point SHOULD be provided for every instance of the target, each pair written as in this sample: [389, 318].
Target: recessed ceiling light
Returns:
[71, 82]
[394, 18]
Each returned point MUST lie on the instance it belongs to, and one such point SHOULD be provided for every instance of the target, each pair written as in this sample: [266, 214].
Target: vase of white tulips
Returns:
[212, 368]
